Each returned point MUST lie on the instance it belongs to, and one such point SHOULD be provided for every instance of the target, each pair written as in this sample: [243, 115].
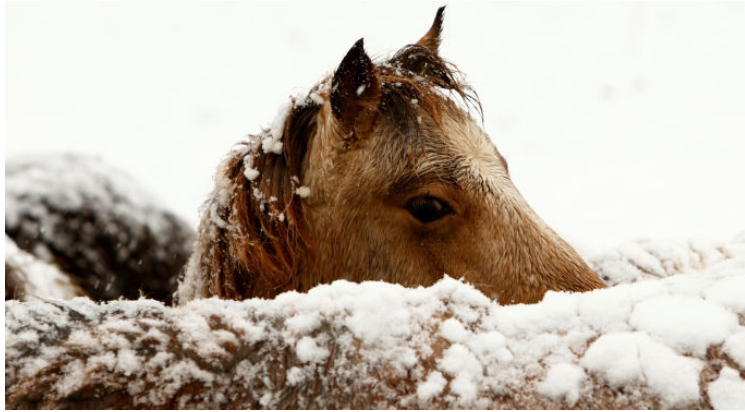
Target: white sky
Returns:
[618, 120]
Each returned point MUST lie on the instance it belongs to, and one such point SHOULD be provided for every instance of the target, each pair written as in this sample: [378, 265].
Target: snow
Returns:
[272, 139]
[728, 391]
[722, 293]
[308, 351]
[625, 359]
[647, 339]
[562, 382]
[431, 387]
[734, 346]
[685, 323]
[303, 191]
[251, 174]
[453, 331]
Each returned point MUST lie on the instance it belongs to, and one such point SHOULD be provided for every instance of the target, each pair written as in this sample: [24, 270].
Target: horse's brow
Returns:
[410, 179]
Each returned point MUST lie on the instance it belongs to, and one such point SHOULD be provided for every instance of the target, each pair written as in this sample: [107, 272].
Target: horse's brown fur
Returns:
[365, 142]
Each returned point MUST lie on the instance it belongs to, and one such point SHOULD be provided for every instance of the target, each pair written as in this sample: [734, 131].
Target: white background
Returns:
[618, 120]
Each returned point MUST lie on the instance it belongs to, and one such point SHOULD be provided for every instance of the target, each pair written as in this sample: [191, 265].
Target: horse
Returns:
[382, 171]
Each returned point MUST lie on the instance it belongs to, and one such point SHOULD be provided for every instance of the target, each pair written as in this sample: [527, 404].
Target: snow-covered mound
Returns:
[97, 224]
[666, 342]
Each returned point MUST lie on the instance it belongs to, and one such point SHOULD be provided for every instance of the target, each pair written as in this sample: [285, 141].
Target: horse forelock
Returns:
[417, 79]
[252, 230]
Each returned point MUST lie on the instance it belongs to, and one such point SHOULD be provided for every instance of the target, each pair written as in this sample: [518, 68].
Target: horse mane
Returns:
[253, 230]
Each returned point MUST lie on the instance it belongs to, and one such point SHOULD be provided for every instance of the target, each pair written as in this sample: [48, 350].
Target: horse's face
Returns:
[408, 198]
[408, 209]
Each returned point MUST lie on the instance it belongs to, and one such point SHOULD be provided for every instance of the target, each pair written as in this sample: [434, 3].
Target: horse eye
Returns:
[428, 209]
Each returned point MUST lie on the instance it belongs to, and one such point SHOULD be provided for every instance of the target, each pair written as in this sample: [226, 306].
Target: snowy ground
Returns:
[619, 120]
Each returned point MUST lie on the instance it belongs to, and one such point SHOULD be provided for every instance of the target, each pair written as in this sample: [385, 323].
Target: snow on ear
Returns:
[355, 93]
[431, 40]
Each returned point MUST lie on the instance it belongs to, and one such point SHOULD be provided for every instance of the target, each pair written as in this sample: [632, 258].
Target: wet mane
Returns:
[265, 228]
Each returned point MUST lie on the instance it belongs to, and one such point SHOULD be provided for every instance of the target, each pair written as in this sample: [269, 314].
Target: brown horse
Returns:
[382, 172]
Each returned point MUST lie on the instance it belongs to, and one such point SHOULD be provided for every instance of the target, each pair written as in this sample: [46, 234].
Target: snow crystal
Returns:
[562, 382]
[295, 375]
[266, 399]
[271, 145]
[257, 194]
[223, 193]
[272, 139]
[316, 98]
[461, 363]
[431, 387]
[251, 174]
[128, 362]
[303, 191]
[308, 351]
[361, 90]
[728, 391]
[453, 331]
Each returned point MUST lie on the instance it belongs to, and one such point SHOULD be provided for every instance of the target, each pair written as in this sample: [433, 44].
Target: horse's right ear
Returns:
[355, 93]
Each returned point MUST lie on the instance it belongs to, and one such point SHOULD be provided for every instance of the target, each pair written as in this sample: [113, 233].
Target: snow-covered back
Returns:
[96, 222]
[660, 342]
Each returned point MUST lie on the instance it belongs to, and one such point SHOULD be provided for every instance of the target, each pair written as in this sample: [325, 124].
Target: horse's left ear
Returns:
[431, 40]
[355, 93]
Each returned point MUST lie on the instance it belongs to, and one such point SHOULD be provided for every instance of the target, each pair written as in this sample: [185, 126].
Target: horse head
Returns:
[381, 172]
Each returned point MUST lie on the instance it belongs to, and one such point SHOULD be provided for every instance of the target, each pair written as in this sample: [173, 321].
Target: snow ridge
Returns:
[673, 342]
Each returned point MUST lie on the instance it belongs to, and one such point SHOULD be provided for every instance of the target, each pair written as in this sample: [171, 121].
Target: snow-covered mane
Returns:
[380, 172]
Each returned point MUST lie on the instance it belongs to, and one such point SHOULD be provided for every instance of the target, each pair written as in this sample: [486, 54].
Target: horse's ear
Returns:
[431, 40]
[355, 93]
